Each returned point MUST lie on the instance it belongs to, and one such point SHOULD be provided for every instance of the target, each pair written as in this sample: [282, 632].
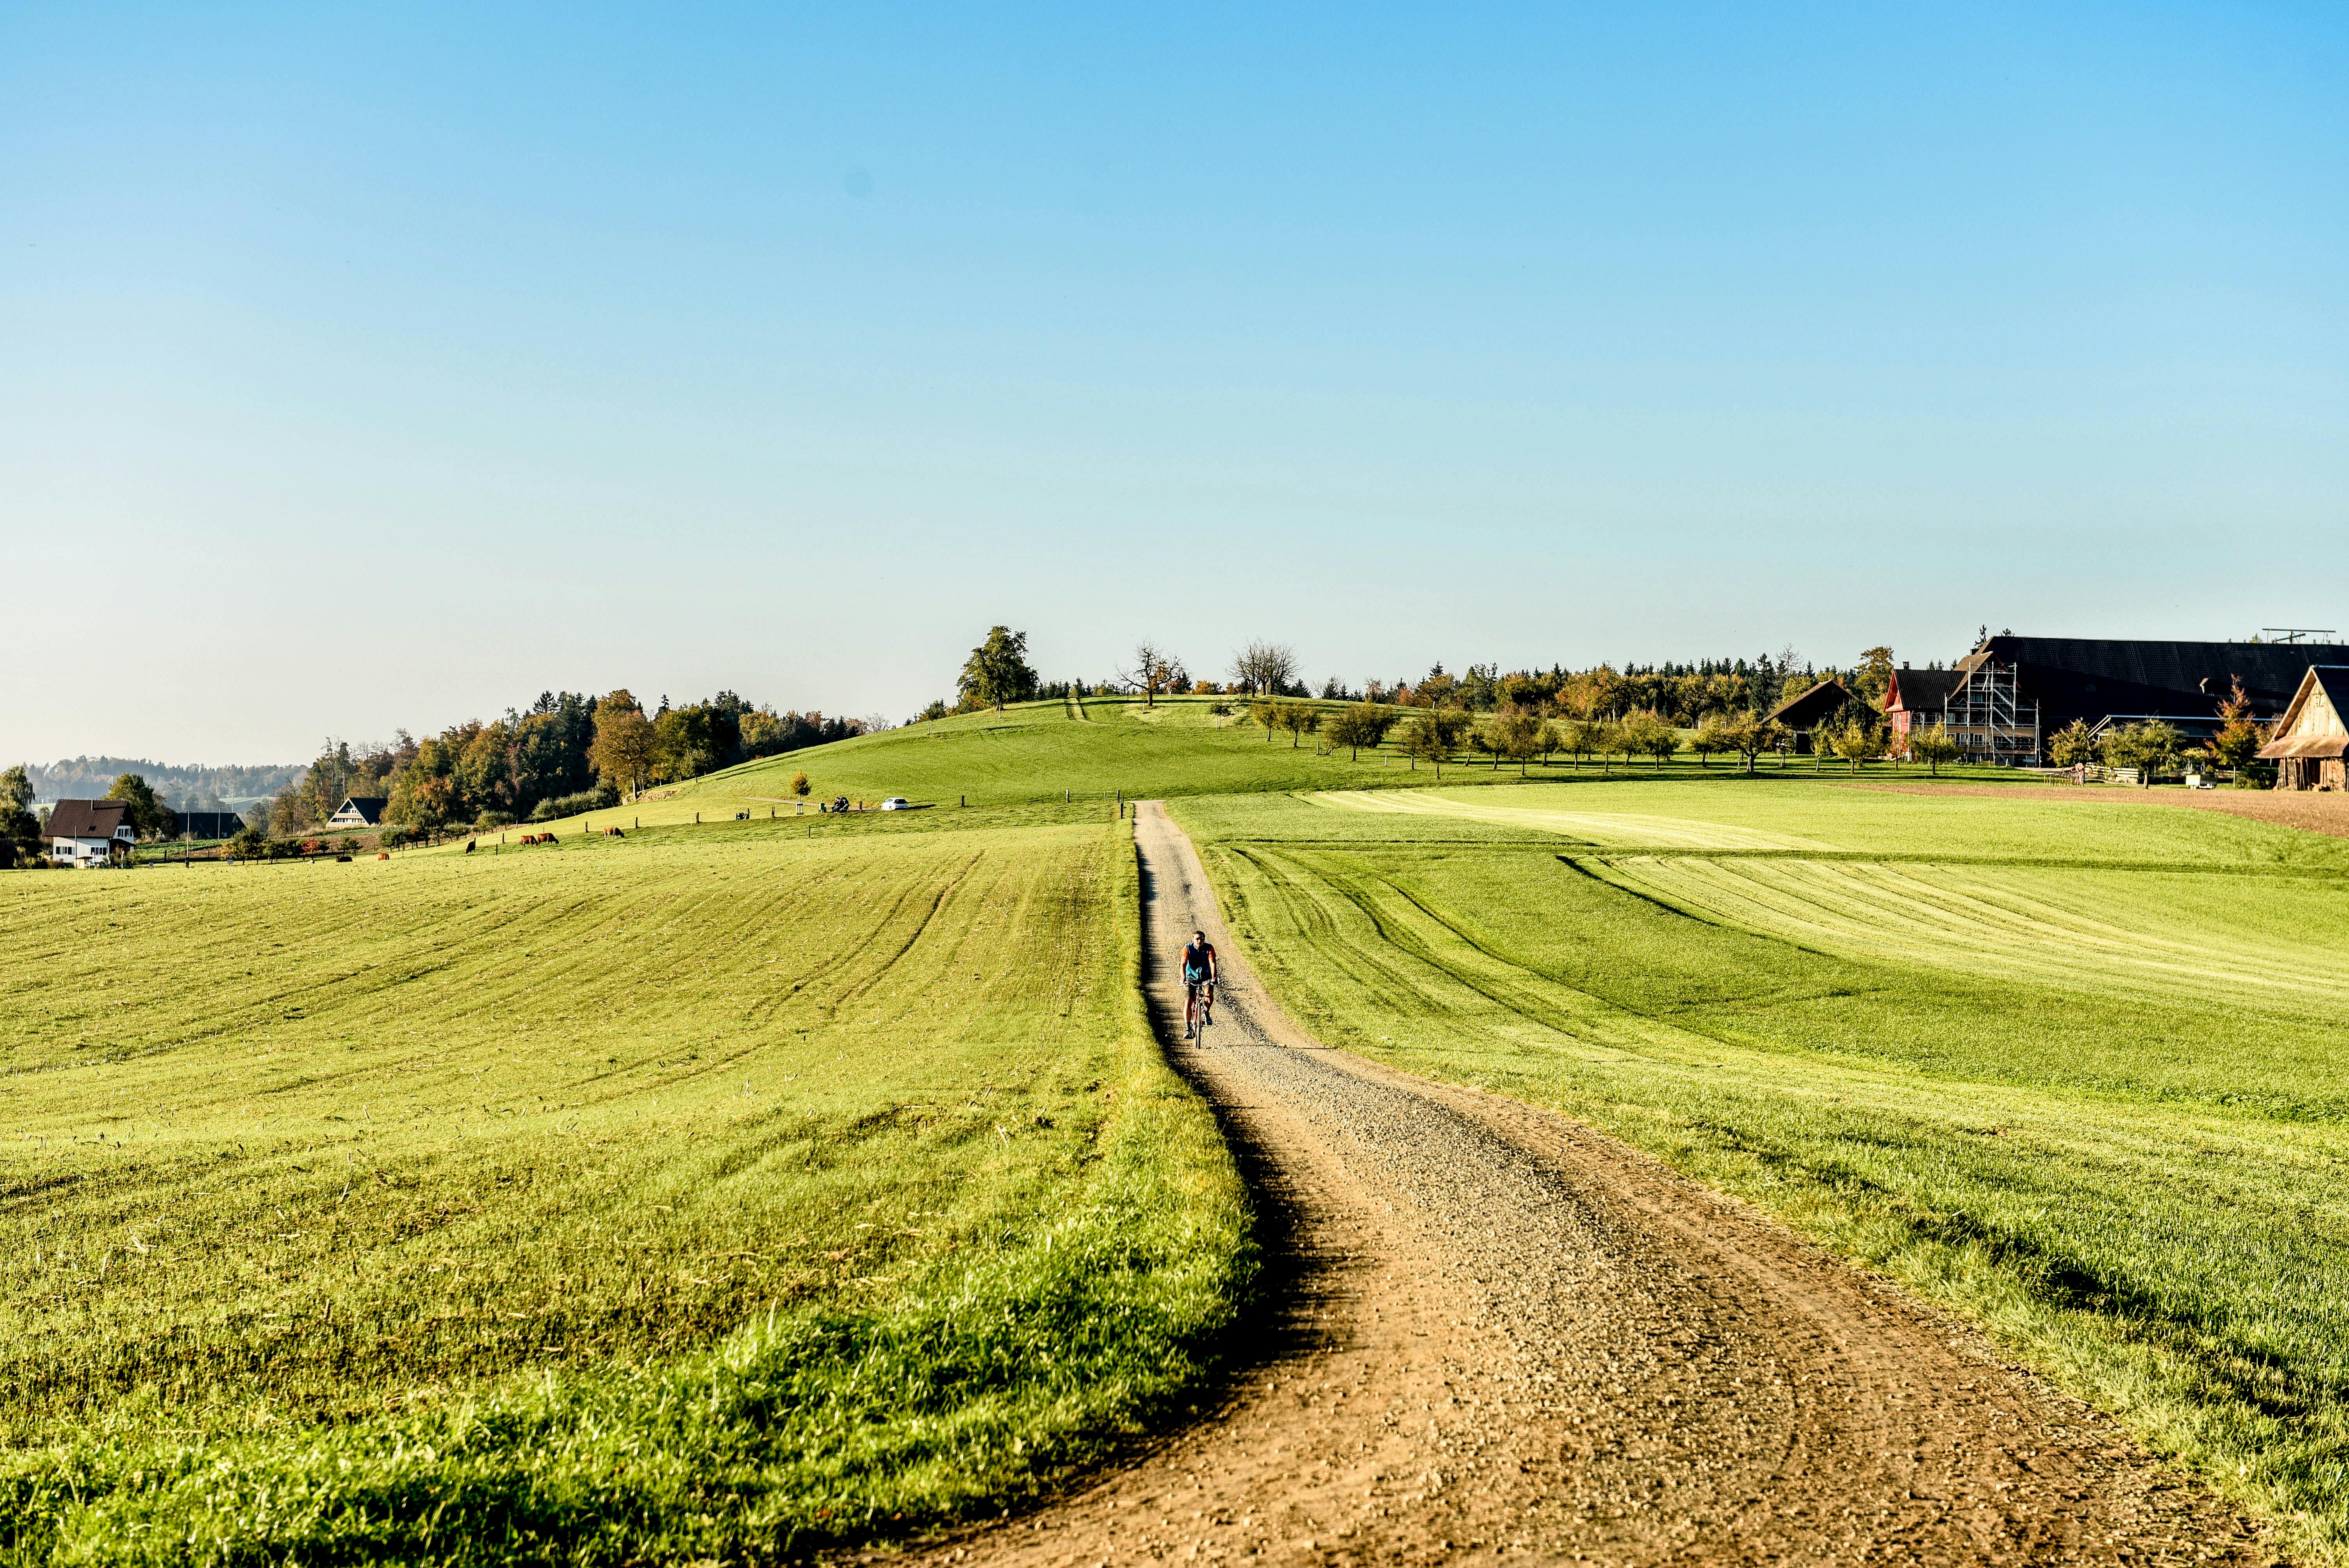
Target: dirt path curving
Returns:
[1498, 1334]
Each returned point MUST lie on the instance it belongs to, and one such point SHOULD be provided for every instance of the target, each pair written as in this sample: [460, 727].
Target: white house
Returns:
[360, 811]
[90, 832]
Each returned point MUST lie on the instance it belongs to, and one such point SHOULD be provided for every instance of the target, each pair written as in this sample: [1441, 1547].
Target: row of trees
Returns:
[566, 752]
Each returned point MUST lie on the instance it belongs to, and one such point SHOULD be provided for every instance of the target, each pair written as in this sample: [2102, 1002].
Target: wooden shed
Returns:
[2308, 742]
[1804, 712]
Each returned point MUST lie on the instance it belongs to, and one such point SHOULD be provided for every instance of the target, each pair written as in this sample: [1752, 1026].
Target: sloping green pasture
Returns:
[694, 1195]
[2073, 1070]
[1035, 750]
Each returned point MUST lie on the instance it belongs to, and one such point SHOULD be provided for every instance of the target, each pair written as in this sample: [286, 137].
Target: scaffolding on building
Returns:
[1989, 718]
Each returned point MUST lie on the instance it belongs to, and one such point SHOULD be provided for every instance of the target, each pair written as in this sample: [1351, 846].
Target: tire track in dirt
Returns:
[1492, 1332]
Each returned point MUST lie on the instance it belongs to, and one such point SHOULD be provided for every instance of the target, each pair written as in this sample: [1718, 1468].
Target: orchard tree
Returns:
[1585, 738]
[1301, 720]
[1266, 712]
[997, 671]
[1856, 741]
[1711, 739]
[1516, 736]
[1933, 746]
[1435, 735]
[1363, 724]
[2147, 748]
[1646, 735]
[1751, 734]
[2072, 745]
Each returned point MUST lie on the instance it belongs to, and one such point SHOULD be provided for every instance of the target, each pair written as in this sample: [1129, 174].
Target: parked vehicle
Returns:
[897, 803]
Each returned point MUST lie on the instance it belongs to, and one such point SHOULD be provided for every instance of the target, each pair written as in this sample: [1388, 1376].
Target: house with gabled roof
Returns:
[85, 833]
[1807, 711]
[360, 811]
[1918, 699]
[2308, 743]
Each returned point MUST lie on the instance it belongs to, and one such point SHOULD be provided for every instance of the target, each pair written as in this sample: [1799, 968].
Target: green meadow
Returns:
[694, 1195]
[2073, 1068]
[775, 1180]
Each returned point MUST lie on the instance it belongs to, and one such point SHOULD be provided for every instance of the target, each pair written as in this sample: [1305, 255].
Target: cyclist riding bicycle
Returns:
[1198, 983]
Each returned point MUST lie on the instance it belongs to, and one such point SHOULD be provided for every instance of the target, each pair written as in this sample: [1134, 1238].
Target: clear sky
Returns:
[363, 367]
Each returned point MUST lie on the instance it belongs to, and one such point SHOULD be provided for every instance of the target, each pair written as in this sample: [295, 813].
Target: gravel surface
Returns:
[1493, 1332]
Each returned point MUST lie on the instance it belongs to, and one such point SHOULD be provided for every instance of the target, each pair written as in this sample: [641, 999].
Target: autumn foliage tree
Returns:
[626, 748]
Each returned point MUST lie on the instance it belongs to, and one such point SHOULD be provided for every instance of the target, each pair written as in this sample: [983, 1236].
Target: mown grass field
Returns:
[696, 1195]
[2073, 1068]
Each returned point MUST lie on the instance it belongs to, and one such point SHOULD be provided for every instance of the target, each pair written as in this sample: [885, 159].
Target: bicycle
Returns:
[1198, 998]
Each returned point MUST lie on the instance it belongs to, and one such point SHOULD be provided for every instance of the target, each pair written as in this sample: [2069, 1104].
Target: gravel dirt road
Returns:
[1492, 1332]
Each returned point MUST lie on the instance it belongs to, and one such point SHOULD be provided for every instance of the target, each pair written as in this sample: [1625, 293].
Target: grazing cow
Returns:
[468, 845]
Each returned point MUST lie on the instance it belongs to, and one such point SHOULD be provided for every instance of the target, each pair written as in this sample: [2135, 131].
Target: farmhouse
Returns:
[2014, 692]
[358, 811]
[211, 824]
[89, 832]
[1918, 699]
[1804, 712]
[2308, 741]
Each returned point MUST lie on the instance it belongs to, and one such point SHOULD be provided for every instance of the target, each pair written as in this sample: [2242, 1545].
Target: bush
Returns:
[252, 845]
[603, 798]
[490, 820]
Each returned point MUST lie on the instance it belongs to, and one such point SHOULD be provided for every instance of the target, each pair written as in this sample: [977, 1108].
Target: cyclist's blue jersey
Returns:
[1197, 956]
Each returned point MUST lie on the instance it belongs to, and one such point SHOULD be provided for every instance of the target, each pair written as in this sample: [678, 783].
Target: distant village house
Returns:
[90, 832]
[360, 811]
[2308, 742]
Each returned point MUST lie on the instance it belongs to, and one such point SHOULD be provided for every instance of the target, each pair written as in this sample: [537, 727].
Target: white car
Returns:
[897, 803]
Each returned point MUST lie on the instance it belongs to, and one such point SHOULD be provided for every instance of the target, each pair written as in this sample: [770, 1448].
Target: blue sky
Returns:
[367, 368]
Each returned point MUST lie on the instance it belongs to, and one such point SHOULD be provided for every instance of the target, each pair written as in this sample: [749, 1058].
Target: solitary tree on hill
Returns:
[997, 671]
[1264, 668]
[1155, 670]
[626, 748]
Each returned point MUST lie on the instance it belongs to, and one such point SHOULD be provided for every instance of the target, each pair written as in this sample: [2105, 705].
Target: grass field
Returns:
[696, 1195]
[2073, 1068]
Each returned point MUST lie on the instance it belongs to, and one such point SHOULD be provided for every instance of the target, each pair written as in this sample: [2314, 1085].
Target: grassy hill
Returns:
[2070, 1066]
[688, 1196]
[1034, 751]
[1093, 749]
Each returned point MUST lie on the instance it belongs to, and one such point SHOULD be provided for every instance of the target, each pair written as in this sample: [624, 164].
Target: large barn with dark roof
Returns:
[2013, 692]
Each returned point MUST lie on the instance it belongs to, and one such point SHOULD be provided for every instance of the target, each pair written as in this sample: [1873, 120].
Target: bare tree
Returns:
[1154, 670]
[1264, 668]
